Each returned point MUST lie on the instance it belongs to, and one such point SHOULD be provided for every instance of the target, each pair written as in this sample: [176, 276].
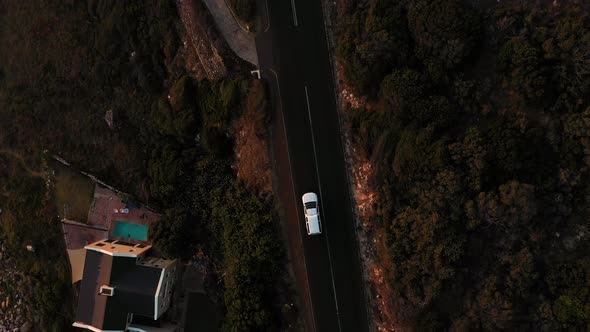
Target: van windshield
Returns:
[310, 205]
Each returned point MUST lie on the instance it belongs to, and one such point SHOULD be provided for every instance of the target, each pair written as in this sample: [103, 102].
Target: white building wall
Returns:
[164, 291]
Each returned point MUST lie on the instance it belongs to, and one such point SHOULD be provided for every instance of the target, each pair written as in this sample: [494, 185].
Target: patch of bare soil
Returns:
[192, 64]
[207, 52]
[387, 310]
[347, 97]
[252, 149]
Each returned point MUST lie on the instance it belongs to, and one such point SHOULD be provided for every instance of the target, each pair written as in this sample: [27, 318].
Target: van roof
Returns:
[314, 225]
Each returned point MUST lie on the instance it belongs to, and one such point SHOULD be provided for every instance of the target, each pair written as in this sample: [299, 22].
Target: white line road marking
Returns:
[294, 12]
[267, 17]
[322, 207]
[294, 193]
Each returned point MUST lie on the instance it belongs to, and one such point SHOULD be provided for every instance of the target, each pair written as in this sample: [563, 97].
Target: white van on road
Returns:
[311, 208]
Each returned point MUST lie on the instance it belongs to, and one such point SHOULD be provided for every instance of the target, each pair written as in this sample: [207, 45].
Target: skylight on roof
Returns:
[107, 290]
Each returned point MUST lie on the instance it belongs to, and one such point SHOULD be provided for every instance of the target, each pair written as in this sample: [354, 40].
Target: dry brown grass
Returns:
[251, 148]
[74, 192]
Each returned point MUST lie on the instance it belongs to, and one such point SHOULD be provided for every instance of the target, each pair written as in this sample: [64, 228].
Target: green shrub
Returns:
[445, 32]
[251, 252]
[522, 63]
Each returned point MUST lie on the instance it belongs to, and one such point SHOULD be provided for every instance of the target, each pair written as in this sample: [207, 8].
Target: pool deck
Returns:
[77, 235]
[102, 217]
[106, 202]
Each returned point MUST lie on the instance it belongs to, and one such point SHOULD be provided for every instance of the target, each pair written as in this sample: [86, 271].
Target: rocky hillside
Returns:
[15, 289]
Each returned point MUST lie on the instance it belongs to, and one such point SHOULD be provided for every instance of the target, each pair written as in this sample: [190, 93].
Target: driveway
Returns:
[242, 42]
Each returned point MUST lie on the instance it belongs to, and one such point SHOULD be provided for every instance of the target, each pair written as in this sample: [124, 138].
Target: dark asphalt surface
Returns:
[295, 60]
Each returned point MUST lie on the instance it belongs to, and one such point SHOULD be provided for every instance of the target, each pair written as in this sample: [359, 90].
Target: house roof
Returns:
[134, 286]
[91, 305]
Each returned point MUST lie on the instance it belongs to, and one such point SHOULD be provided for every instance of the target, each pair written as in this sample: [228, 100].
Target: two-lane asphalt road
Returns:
[294, 58]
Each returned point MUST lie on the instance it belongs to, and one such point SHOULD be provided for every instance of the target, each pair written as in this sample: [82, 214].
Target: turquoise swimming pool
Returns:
[130, 230]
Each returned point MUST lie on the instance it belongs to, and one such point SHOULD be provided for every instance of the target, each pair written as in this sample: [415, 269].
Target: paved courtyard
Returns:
[107, 207]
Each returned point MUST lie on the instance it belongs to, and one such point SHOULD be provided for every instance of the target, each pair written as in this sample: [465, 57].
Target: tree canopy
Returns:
[478, 130]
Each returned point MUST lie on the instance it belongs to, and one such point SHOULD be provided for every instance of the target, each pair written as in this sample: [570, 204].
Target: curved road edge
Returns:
[329, 18]
[285, 191]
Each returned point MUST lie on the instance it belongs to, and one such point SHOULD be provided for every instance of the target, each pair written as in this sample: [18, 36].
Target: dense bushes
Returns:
[172, 235]
[444, 33]
[522, 62]
[481, 146]
[207, 208]
[252, 259]
[373, 42]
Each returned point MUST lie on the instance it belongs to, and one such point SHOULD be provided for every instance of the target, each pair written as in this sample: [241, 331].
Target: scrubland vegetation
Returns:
[478, 124]
[63, 65]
